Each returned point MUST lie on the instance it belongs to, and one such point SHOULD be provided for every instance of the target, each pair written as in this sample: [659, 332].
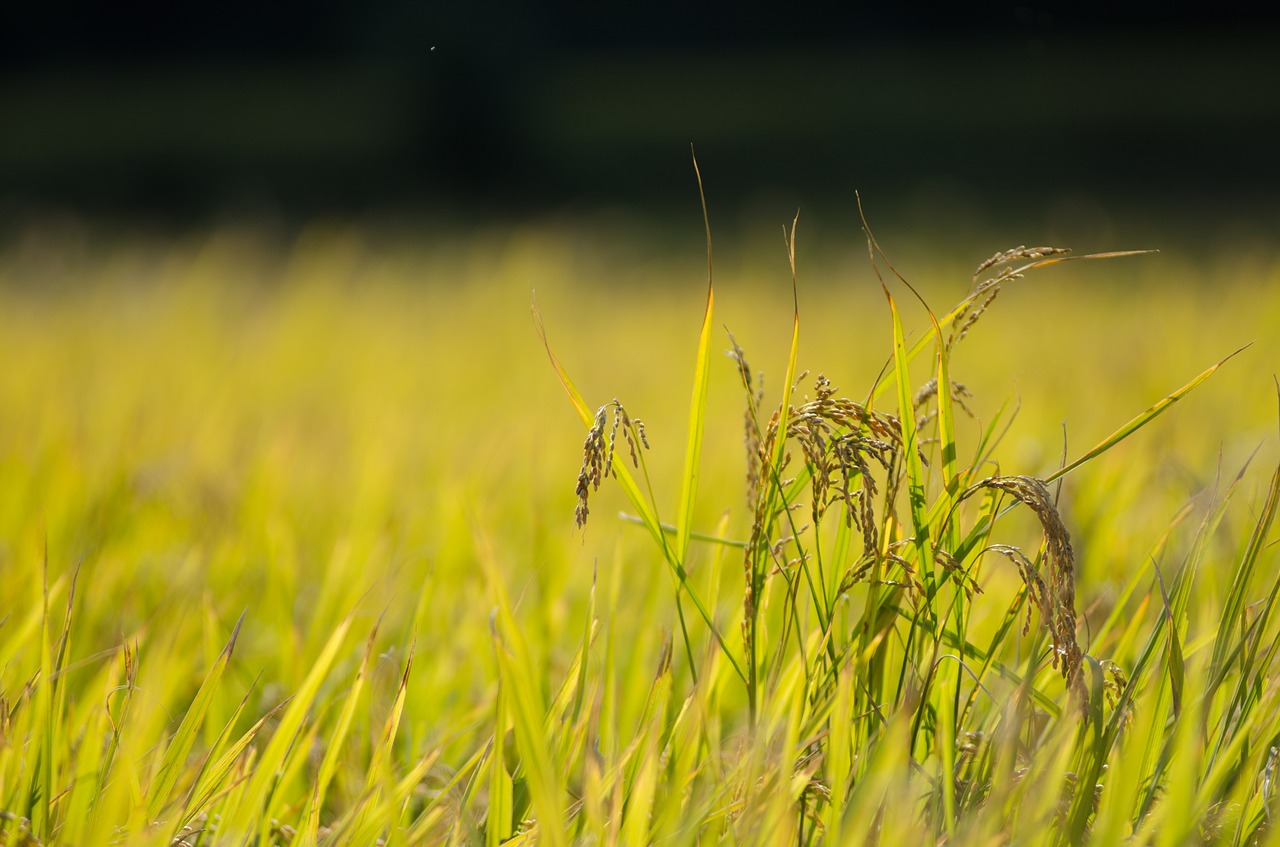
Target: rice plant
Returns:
[893, 692]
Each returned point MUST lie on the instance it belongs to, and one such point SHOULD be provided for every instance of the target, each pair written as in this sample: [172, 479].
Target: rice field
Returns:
[300, 542]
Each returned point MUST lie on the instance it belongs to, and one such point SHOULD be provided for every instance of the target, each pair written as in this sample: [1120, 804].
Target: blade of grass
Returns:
[38, 784]
[175, 755]
[1233, 616]
[1174, 662]
[240, 821]
[758, 550]
[1118, 615]
[380, 772]
[498, 817]
[669, 529]
[698, 403]
[697, 421]
[337, 740]
[910, 447]
[1140, 420]
[947, 684]
[519, 674]
[527, 714]
[217, 779]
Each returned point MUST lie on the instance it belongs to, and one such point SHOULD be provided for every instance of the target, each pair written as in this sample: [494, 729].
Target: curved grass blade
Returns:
[1121, 615]
[216, 779]
[1174, 662]
[1141, 420]
[910, 445]
[670, 529]
[278, 750]
[380, 771]
[793, 354]
[1233, 615]
[758, 548]
[175, 755]
[527, 711]
[698, 404]
[693, 442]
[334, 748]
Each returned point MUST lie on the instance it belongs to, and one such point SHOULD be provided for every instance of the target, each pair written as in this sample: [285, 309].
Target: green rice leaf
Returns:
[1141, 420]
[245, 817]
[337, 738]
[175, 755]
[916, 496]
[697, 405]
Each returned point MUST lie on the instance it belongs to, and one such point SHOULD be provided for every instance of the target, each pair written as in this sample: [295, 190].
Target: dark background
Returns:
[937, 114]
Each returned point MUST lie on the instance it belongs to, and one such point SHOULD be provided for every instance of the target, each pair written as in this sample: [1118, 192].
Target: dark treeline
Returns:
[518, 108]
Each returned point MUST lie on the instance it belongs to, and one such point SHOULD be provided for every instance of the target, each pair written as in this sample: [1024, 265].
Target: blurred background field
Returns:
[218, 422]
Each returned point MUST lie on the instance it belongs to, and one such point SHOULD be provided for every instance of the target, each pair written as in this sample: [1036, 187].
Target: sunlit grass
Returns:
[360, 447]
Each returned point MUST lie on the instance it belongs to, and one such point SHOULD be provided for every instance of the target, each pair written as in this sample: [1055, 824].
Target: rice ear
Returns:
[1056, 596]
[598, 450]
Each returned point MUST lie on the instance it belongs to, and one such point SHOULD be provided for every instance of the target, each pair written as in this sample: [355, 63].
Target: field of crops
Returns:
[289, 553]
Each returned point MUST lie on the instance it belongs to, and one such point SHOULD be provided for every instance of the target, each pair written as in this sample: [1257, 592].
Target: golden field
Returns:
[358, 443]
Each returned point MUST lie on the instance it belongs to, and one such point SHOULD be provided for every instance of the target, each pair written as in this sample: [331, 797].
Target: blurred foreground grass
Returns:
[344, 426]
